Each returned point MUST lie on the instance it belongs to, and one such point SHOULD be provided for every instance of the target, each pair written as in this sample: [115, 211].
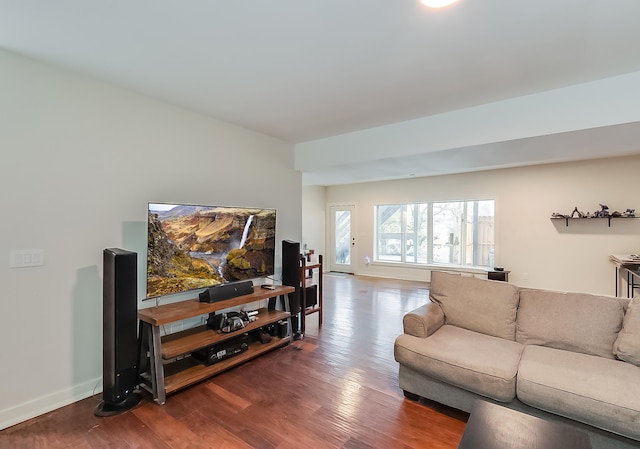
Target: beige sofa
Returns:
[562, 356]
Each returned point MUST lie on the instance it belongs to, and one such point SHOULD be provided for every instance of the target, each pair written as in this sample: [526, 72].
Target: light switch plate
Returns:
[23, 258]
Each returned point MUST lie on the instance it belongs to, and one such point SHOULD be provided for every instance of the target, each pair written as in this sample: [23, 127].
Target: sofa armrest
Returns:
[424, 320]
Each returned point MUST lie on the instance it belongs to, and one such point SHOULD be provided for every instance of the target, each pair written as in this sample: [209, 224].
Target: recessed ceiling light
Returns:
[437, 3]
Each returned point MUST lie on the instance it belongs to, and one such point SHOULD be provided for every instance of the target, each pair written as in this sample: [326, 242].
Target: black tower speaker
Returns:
[120, 335]
[291, 277]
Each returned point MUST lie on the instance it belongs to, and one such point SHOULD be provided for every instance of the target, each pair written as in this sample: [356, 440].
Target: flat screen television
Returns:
[192, 247]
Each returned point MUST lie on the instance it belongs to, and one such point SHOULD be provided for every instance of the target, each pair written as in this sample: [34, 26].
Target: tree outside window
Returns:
[458, 233]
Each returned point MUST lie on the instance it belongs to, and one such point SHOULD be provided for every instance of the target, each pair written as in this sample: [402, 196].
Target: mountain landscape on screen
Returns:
[191, 247]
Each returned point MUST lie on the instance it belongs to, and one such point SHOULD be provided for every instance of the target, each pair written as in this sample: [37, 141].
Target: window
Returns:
[452, 233]
[402, 233]
[390, 225]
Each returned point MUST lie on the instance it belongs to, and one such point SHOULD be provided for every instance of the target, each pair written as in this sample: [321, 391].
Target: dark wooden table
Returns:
[492, 426]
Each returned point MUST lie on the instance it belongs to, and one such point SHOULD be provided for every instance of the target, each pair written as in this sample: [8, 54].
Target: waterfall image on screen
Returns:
[191, 247]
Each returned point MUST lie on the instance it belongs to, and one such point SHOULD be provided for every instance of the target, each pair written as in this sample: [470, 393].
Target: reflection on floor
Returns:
[335, 388]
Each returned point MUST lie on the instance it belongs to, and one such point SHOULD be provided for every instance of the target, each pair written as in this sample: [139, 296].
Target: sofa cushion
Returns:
[573, 321]
[601, 392]
[627, 345]
[488, 307]
[480, 363]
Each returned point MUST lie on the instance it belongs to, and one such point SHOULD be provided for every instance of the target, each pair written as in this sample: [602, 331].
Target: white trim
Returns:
[433, 267]
[39, 406]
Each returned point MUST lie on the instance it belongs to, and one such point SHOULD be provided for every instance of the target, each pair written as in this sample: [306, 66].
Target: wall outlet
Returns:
[525, 276]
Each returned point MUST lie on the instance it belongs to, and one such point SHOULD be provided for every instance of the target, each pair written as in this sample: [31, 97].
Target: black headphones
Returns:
[227, 322]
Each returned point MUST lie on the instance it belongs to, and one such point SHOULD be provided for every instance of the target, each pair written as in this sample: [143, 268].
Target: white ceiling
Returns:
[302, 70]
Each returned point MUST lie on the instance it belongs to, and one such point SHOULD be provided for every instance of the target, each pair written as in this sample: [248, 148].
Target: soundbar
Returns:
[221, 292]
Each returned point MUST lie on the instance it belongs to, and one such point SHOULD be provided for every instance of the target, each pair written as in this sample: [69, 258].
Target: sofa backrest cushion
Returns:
[577, 322]
[627, 345]
[476, 304]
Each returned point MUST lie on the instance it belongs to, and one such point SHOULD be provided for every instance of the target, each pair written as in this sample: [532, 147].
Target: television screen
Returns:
[191, 247]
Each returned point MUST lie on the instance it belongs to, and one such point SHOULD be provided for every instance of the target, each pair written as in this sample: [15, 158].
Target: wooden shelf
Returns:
[566, 219]
[313, 309]
[312, 266]
[306, 281]
[166, 363]
[169, 313]
[188, 371]
[176, 344]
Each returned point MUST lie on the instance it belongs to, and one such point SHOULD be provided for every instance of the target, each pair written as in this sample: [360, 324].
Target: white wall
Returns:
[601, 103]
[553, 256]
[314, 218]
[80, 161]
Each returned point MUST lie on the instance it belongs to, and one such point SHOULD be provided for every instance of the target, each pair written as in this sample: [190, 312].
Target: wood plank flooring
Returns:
[336, 388]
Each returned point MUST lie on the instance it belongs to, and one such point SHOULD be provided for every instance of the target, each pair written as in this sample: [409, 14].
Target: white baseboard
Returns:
[39, 406]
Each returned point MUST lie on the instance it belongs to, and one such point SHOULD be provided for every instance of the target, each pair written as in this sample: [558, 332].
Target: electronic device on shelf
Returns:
[232, 324]
[282, 329]
[221, 351]
[195, 246]
[261, 335]
[215, 321]
[221, 292]
[229, 322]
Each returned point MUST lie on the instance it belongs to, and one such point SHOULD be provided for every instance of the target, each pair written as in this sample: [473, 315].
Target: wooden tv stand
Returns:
[165, 362]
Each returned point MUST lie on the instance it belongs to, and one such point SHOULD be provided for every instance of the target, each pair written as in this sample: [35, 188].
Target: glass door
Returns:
[343, 242]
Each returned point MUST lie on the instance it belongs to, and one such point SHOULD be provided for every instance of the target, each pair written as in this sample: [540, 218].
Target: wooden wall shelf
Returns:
[567, 219]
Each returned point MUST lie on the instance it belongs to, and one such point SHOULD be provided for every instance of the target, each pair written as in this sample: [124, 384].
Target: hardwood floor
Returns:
[336, 388]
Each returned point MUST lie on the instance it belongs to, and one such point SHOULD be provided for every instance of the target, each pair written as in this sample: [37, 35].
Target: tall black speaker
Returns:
[291, 277]
[120, 334]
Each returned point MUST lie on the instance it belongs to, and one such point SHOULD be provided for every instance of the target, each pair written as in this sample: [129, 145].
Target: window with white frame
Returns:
[459, 233]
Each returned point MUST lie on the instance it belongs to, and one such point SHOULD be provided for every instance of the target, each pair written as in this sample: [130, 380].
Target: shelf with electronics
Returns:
[166, 362]
[602, 214]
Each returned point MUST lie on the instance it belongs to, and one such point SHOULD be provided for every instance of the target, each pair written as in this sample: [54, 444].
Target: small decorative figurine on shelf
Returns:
[603, 212]
[629, 213]
[577, 212]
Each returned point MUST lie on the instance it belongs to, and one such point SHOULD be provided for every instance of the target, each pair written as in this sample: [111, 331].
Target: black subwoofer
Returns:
[120, 334]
